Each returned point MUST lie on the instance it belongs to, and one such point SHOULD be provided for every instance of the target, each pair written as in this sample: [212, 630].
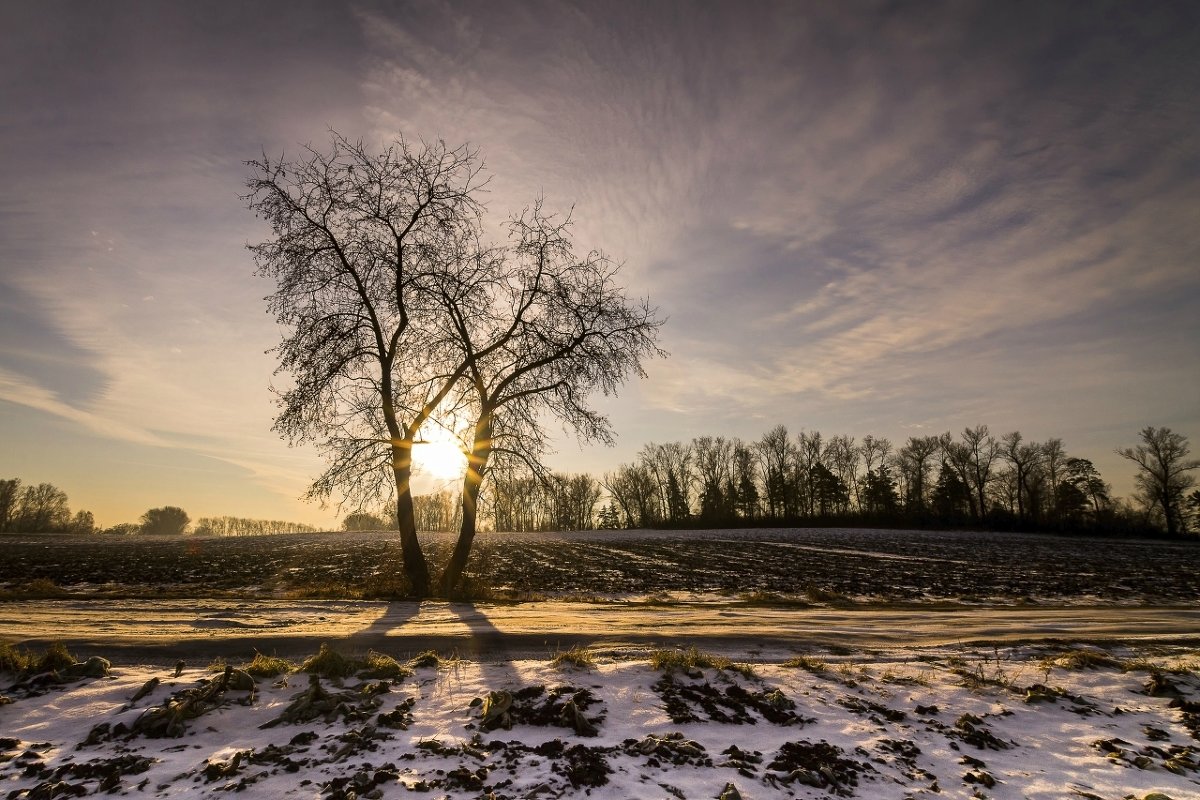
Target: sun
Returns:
[438, 454]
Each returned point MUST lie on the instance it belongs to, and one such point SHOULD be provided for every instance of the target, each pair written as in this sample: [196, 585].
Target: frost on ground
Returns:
[1014, 723]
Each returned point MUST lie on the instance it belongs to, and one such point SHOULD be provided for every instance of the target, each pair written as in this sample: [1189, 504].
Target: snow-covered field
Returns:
[1045, 721]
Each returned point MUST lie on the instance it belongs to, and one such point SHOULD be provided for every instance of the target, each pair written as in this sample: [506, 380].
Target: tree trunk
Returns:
[414, 564]
[481, 450]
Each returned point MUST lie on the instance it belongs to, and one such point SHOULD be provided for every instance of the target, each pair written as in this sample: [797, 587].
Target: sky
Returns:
[870, 217]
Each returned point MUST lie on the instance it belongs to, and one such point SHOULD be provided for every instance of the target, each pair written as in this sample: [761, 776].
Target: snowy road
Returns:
[132, 630]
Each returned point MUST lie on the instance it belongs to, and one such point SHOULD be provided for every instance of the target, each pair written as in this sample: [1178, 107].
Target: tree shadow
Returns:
[484, 642]
[387, 627]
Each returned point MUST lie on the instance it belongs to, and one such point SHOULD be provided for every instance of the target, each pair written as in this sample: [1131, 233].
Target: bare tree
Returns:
[714, 466]
[973, 459]
[42, 508]
[1025, 459]
[10, 496]
[916, 462]
[545, 329]
[777, 457]
[671, 465]
[359, 239]
[809, 451]
[632, 487]
[1163, 464]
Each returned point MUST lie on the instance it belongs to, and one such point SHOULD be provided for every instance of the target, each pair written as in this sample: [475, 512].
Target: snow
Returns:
[863, 702]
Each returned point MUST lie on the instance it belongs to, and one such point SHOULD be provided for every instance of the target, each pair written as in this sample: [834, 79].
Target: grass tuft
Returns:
[36, 589]
[263, 666]
[381, 665]
[21, 661]
[577, 658]
[691, 659]
[56, 657]
[328, 663]
[427, 659]
[15, 660]
[1083, 659]
[814, 665]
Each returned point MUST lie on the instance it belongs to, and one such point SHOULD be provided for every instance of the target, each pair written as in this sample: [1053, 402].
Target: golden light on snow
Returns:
[439, 454]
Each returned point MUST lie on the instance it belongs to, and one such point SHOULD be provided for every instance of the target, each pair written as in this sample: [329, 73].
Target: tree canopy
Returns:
[398, 314]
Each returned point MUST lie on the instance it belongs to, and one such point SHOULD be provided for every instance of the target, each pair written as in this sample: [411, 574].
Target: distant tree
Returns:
[1163, 464]
[841, 457]
[1024, 458]
[83, 522]
[633, 488]
[1193, 509]
[952, 499]
[122, 529]
[974, 458]
[714, 464]
[879, 495]
[745, 465]
[364, 521]
[776, 459]
[1081, 482]
[916, 463]
[435, 512]
[610, 518]
[165, 521]
[671, 467]
[10, 496]
[809, 450]
[42, 509]
[829, 491]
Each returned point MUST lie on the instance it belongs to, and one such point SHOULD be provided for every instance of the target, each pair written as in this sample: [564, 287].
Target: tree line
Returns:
[44, 508]
[972, 479]
[40, 508]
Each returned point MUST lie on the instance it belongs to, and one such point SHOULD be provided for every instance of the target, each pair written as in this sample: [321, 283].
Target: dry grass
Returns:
[15, 660]
[426, 660]
[263, 666]
[575, 658]
[691, 659]
[55, 658]
[36, 589]
[381, 665]
[814, 665]
[328, 663]
[1081, 659]
[23, 661]
[763, 598]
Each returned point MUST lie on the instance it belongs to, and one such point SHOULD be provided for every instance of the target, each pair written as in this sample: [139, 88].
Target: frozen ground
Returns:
[128, 630]
[952, 722]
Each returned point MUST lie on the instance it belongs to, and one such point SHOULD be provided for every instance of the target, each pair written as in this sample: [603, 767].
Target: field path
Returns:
[129, 631]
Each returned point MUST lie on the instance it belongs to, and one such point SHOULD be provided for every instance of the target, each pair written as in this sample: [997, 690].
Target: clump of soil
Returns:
[563, 706]
[971, 729]
[107, 772]
[672, 749]
[685, 701]
[171, 718]
[351, 705]
[820, 765]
